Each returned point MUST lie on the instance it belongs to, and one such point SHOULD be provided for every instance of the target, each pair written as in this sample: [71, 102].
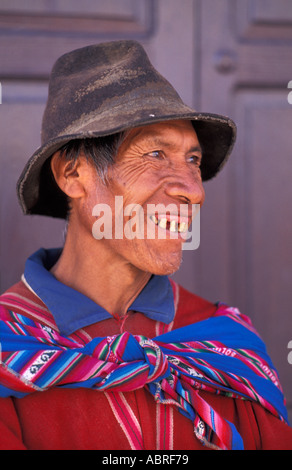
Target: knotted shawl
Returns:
[222, 355]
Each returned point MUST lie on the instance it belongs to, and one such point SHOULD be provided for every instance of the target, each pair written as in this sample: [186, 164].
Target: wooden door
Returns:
[33, 36]
[245, 66]
[225, 56]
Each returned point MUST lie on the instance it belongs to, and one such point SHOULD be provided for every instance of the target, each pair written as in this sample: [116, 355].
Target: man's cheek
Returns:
[130, 174]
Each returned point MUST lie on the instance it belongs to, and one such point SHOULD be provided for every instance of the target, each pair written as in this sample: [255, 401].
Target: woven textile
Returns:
[222, 355]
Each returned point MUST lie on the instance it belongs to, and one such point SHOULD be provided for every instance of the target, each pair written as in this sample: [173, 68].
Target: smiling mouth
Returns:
[173, 226]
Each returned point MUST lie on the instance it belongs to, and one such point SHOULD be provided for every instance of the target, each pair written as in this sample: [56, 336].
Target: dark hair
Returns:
[101, 151]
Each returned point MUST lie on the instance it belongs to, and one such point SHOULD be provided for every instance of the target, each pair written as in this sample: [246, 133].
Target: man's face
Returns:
[157, 166]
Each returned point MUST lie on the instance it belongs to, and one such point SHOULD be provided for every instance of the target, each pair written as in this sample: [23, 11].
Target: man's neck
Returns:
[88, 268]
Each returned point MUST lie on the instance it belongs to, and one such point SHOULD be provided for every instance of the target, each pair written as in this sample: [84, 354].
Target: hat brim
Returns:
[39, 194]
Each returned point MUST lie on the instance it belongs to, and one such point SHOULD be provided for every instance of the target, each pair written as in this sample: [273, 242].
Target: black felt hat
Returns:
[103, 89]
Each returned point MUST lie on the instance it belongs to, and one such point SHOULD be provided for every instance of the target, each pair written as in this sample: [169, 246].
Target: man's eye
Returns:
[154, 154]
[195, 159]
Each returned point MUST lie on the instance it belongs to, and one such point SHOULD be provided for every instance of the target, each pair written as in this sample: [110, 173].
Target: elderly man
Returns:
[99, 348]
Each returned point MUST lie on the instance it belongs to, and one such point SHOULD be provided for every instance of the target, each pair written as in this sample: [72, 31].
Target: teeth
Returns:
[173, 225]
[183, 227]
[162, 223]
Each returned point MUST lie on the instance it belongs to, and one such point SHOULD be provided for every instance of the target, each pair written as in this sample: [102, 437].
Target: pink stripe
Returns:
[29, 309]
[126, 418]
[164, 427]
[39, 313]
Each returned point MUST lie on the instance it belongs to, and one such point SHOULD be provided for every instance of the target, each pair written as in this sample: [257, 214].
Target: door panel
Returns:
[262, 220]
[20, 117]
[246, 67]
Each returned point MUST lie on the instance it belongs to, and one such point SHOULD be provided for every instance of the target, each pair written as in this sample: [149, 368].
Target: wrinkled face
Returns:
[157, 167]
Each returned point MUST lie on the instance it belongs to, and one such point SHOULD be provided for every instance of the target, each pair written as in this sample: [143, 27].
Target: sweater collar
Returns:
[73, 310]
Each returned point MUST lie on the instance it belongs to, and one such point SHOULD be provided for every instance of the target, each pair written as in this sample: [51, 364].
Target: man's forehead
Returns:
[160, 133]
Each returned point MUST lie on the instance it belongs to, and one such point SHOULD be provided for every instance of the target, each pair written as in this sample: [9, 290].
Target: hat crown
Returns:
[86, 81]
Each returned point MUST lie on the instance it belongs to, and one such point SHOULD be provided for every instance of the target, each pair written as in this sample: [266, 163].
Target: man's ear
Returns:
[69, 175]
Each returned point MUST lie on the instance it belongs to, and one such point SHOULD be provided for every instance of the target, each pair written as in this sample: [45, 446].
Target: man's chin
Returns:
[156, 257]
[165, 266]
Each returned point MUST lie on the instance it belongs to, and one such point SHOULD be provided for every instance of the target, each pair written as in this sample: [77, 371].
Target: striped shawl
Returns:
[222, 355]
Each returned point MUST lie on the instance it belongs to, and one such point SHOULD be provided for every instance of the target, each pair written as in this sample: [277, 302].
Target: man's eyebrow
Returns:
[159, 142]
[195, 149]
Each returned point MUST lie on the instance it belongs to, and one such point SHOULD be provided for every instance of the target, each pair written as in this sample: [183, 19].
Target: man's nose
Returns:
[186, 187]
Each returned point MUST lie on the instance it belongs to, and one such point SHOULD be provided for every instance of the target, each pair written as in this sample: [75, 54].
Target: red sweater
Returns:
[73, 419]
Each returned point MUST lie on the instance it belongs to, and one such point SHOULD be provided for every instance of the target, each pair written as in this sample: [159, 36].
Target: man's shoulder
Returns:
[19, 294]
[190, 307]
[17, 288]
[21, 300]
